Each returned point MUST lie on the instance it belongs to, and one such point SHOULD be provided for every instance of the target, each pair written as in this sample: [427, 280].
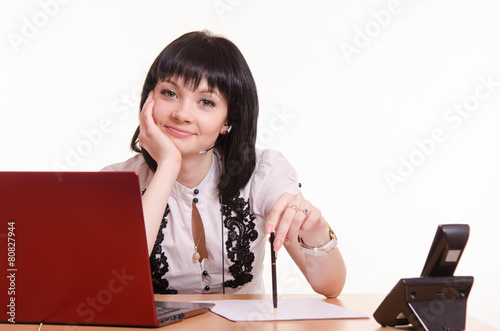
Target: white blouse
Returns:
[237, 260]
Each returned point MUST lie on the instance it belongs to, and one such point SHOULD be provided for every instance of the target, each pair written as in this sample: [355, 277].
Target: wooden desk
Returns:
[358, 302]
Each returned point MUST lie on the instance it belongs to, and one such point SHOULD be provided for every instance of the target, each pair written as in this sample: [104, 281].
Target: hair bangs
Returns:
[193, 62]
[197, 56]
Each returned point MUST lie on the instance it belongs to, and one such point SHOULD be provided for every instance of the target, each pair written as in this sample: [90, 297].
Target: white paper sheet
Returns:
[288, 309]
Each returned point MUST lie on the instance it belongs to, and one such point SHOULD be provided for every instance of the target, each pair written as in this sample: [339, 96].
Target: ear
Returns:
[225, 129]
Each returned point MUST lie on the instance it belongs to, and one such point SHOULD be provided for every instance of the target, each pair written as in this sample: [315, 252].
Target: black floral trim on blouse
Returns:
[158, 261]
[240, 223]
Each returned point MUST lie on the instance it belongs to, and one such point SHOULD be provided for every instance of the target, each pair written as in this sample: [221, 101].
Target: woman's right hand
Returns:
[167, 156]
[152, 139]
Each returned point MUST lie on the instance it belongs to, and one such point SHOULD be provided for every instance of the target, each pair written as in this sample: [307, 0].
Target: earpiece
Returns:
[222, 132]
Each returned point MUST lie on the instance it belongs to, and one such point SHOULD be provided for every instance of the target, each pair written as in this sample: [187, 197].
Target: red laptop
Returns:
[73, 251]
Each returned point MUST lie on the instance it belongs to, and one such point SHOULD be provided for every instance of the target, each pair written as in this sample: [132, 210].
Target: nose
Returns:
[182, 112]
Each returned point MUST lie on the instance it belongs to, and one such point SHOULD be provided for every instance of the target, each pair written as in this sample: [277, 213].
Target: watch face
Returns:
[330, 231]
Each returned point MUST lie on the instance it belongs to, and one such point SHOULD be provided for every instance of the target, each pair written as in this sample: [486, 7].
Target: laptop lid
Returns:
[73, 250]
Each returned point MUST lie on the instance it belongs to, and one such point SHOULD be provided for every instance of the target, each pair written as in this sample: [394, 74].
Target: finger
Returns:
[276, 212]
[301, 219]
[296, 225]
[147, 122]
[281, 232]
[147, 112]
[313, 220]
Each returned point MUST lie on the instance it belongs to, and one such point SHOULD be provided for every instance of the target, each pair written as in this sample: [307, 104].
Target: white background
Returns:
[350, 92]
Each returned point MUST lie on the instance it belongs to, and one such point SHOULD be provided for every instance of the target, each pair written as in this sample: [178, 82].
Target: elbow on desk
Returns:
[330, 293]
[334, 288]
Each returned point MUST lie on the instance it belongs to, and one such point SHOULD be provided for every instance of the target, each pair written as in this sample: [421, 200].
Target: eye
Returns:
[169, 93]
[207, 103]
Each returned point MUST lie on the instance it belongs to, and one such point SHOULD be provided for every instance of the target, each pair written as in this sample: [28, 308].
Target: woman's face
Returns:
[192, 118]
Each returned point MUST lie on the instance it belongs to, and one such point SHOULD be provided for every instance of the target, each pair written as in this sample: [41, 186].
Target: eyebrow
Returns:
[168, 80]
[214, 91]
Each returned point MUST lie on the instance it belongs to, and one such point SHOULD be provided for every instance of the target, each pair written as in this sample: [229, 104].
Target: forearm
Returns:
[326, 274]
[155, 199]
[291, 215]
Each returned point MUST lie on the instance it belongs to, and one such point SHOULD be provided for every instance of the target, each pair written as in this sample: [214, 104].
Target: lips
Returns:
[177, 132]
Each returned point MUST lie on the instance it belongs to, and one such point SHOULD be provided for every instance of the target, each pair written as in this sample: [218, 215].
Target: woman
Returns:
[209, 197]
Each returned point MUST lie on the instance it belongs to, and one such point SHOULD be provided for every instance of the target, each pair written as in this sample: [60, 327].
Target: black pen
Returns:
[273, 271]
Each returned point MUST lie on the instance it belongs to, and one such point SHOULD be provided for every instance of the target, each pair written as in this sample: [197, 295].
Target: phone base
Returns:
[427, 303]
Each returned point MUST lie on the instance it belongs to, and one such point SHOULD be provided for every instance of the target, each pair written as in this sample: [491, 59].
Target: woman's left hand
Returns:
[290, 214]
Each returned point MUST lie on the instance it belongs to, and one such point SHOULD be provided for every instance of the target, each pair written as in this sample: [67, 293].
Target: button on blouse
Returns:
[272, 177]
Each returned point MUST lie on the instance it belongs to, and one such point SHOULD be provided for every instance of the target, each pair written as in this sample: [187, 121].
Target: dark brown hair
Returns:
[200, 55]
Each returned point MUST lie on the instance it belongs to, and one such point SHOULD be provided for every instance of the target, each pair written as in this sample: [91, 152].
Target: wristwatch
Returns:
[319, 251]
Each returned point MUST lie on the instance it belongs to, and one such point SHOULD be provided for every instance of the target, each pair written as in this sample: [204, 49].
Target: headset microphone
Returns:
[206, 150]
